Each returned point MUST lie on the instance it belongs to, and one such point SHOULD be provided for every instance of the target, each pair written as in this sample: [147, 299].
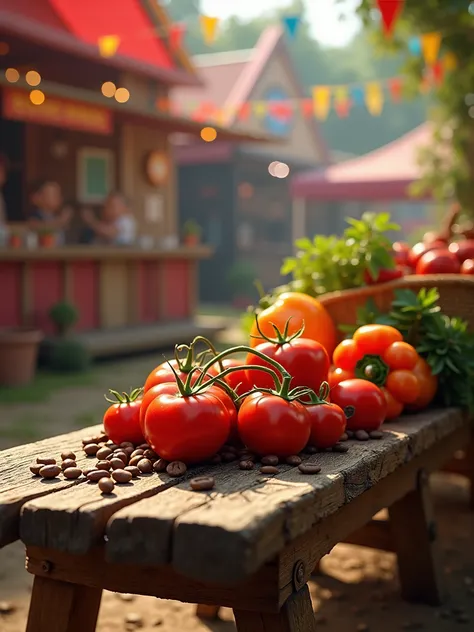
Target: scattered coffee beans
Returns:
[309, 468]
[340, 447]
[270, 460]
[72, 473]
[310, 449]
[102, 453]
[46, 461]
[202, 483]
[160, 465]
[122, 476]
[228, 457]
[106, 485]
[246, 465]
[216, 459]
[68, 463]
[133, 469]
[350, 434]
[120, 454]
[362, 435]
[50, 471]
[91, 449]
[135, 460]
[127, 444]
[103, 465]
[117, 464]
[269, 469]
[143, 446]
[88, 470]
[150, 454]
[137, 452]
[145, 466]
[35, 468]
[68, 455]
[344, 437]
[176, 468]
[293, 460]
[376, 434]
[96, 475]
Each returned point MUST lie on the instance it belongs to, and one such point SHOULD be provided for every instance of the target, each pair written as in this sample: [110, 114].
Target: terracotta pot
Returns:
[18, 355]
[191, 240]
[47, 241]
[14, 241]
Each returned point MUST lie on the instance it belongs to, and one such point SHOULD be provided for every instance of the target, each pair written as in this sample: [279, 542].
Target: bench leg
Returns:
[295, 616]
[204, 611]
[62, 607]
[414, 532]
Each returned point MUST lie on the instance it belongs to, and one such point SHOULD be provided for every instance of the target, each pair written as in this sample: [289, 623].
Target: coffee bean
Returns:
[340, 447]
[68, 455]
[176, 468]
[150, 454]
[96, 475]
[202, 483]
[361, 435]
[117, 464]
[344, 437]
[350, 434]
[103, 453]
[122, 476]
[228, 457]
[35, 468]
[101, 437]
[120, 454]
[128, 451]
[160, 465]
[376, 434]
[247, 456]
[137, 452]
[135, 460]
[46, 461]
[229, 448]
[127, 444]
[72, 473]
[216, 459]
[145, 466]
[106, 485]
[112, 445]
[103, 465]
[293, 460]
[87, 441]
[88, 470]
[246, 465]
[143, 446]
[133, 469]
[50, 471]
[310, 449]
[68, 463]
[91, 449]
[309, 468]
[269, 469]
[270, 460]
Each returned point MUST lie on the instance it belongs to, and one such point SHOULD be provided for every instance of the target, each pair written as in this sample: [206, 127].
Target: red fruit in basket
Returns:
[438, 262]
[467, 266]
[420, 249]
[383, 276]
[401, 250]
[463, 249]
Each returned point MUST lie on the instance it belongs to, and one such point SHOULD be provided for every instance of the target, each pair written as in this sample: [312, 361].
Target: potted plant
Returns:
[66, 353]
[46, 238]
[192, 233]
[14, 239]
[18, 355]
[241, 279]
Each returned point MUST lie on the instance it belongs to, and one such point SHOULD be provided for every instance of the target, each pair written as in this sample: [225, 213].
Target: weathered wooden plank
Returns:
[18, 485]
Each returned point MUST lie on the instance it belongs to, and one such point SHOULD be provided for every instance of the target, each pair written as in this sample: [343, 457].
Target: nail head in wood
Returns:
[299, 575]
[46, 566]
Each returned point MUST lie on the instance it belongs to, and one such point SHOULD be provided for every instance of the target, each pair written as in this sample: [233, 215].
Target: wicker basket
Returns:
[456, 296]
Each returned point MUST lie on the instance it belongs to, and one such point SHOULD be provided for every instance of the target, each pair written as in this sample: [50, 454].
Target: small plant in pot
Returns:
[66, 353]
[46, 238]
[241, 279]
[192, 232]
[15, 239]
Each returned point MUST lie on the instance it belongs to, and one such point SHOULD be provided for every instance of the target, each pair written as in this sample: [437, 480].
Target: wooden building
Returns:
[244, 211]
[95, 121]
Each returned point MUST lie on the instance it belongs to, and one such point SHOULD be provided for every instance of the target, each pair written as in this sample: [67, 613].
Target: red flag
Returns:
[244, 111]
[395, 86]
[343, 107]
[307, 108]
[390, 10]
[176, 34]
[438, 72]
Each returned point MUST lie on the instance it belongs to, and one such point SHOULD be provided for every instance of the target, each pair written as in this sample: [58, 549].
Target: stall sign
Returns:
[57, 112]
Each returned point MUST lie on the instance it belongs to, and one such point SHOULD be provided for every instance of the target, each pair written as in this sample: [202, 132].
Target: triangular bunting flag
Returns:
[260, 109]
[321, 101]
[374, 98]
[389, 10]
[208, 28]
[343, 107]
[244, 112]
[307, 108]
[430, 44]
[396, 87]
[357, 95]
[450, 61]
[176, 35]
[108, 45]
[291, 24]
[414, 45]
[438, 72]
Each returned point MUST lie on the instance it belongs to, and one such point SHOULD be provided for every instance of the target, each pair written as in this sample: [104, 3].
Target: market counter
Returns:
[112, 288]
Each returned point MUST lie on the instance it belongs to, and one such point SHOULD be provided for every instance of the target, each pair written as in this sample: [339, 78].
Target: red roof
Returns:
[383, 174]
[77, 26]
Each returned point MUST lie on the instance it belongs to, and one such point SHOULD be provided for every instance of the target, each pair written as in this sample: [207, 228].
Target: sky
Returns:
[323, 15]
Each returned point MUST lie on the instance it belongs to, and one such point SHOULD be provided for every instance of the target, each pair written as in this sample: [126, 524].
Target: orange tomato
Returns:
[428, 385]
[346, 355]
[400, 355]
[394, 407]
[339, 375]
[374, 339]
[403, 386]
[302, 309]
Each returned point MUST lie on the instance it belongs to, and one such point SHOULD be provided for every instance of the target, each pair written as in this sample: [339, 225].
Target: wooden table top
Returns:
[222, 535]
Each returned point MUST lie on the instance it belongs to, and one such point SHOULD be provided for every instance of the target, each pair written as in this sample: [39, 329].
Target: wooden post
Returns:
[296, 615]
[62, 607]
[414, 532]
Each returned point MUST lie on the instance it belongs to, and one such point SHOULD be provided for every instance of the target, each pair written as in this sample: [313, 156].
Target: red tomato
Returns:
[420, 249]
[401, 251]
[383, 276]
[394, 407]
[400, 355]
[306, 360]
[339, 375]
[328, 423]
[163, 373]
[366, 398]
[346, 355]
[438, 262]
[122, 422]
[269, 424]
[374, 339]
[463, 249]
[170, 388]
[237, 380]
[403, 385]
[188, 429]
[467, 266]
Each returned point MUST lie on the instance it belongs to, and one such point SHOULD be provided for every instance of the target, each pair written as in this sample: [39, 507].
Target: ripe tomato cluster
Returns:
[399, 378]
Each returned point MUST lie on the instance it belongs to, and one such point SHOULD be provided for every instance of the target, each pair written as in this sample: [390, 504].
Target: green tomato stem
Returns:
[373, 369]
[188, 363]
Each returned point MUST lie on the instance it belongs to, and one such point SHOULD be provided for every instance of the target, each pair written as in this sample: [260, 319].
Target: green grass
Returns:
[89, 418]
[43, 386]
[209, 309]
[25, 429]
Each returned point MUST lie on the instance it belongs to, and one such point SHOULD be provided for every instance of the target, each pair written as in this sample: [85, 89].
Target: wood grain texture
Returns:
[18, 485]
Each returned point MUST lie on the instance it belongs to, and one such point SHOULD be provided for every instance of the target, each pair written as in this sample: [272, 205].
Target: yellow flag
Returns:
[108, 45]
[430, 44]
[374, 98]
[259, 109]
[208, 28]
[321, 101]
[341, 93]
[450, 61]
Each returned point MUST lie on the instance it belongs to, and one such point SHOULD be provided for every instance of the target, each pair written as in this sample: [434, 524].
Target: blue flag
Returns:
[291, 24]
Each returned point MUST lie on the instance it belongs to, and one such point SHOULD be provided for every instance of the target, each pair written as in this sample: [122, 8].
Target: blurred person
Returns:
[116, 225]
[48, 212]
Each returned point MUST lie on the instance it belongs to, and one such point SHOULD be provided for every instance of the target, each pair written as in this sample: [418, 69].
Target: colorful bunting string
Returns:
[291, 24]
[390, 11]
[209, 28]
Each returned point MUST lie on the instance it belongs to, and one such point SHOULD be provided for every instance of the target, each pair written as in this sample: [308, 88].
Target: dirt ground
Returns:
[356, 592]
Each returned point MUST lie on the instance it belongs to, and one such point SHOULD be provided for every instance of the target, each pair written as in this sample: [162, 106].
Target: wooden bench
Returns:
[250, 544]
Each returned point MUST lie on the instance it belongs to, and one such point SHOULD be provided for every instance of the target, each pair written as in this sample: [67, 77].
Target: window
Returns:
[95, 174]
